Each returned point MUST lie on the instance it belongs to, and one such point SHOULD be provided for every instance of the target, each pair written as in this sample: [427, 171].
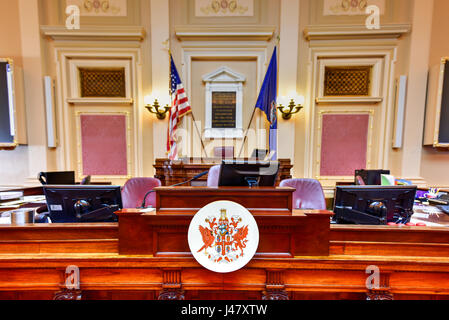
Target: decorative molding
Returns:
[171, 279]
[379, 295]
[350, 100]
[68, 295]
[171, 285]
[95, 33]
[233, 32]
[107, 101]
[342, 32]
[224, 74]
[383, 292]
[349, 8]
[101, 8]
[275, 287]
[275, 295]
[225, 8]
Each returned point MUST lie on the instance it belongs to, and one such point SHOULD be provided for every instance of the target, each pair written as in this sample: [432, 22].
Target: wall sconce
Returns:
[292, 108]
[155, 108]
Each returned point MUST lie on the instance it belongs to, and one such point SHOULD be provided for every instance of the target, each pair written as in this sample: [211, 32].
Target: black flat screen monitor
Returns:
[79, 203]
[57, 178]
[370, 205]
[248, 173]
[370, 177]
[259, 154]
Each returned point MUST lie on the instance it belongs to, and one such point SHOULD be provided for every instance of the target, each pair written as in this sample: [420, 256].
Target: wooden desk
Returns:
[188, 200]
[182, 170]
[413, 261]
[27, 191]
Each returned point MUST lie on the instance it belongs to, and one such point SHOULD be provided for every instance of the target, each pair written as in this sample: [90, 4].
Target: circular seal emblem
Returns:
[223, 236]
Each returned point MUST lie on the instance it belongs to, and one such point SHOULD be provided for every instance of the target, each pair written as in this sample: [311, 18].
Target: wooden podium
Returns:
[284, 233]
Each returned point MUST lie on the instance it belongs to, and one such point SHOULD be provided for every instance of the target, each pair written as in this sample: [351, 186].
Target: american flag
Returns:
[180, 107]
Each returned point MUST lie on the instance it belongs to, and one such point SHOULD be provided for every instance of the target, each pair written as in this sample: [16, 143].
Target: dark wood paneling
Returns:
[172, 172]
[166, 235]
[189, 200]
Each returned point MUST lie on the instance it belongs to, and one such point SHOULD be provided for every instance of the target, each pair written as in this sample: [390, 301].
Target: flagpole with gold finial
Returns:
[278, 39]
[191, 112]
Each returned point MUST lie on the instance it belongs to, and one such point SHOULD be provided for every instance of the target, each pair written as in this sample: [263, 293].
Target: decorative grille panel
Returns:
[347, 81]
[95, 82]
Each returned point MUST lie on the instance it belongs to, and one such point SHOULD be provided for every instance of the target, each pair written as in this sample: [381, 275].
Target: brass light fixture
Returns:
[159, 111]
[291, 109]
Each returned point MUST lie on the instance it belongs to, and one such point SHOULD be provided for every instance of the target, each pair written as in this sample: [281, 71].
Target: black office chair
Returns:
[57, 178]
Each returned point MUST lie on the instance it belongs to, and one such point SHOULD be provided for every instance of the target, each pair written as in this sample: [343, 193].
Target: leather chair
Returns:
[308, 195]
[213, 176]
[135, 189]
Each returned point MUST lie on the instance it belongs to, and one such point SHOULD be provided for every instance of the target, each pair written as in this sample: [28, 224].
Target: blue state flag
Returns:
[267, 101]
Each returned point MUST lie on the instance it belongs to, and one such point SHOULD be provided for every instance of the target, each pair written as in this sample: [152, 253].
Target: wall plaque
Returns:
[224, 106]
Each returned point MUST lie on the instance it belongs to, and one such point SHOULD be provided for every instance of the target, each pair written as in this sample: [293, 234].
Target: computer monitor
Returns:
[259, 154]
[81, 203]
[248, 173]
[370, 177]
[371, 205]
[57, 178]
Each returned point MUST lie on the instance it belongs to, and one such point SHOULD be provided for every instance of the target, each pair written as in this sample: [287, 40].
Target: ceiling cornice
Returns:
[95, 33]
[228, 32]
[346, 32]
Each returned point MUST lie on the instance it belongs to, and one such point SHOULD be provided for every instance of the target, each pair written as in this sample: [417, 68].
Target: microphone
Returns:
[175, 185]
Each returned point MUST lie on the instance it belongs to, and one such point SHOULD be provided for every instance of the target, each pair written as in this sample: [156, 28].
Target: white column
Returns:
[160, 33]
[417, 87]
[288, 69]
